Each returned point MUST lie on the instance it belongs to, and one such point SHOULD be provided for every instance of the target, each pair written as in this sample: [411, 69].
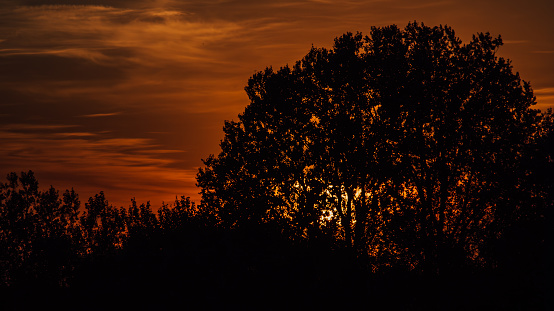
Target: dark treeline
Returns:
[59, 253]
[51, 244]
[400, 170]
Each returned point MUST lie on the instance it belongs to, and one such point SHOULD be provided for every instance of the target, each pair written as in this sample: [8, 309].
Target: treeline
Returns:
[60, 253]
[57, 252]
[45, 236]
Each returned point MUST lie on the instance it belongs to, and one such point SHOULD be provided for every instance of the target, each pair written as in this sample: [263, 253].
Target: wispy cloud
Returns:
[75, 134]
[129, 55]
[89, 31]
[424, 5]
[98, 115]
[545, 97]
[542, 91]
[514, 41]
[33, 127]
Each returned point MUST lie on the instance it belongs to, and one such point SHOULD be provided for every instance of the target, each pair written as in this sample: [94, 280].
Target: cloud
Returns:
[75, 134]
[124, 56]
[543, 91]
[105, 3]
[32, 127]
[514, 41]
[97, 115]
[424, 5]
[91, 55]
[545, 97]
[91, 32]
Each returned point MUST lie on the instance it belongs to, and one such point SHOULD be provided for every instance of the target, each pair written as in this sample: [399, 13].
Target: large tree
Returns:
[402, 145]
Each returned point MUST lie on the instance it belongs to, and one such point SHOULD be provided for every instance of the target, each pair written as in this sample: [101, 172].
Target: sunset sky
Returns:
[127, 96]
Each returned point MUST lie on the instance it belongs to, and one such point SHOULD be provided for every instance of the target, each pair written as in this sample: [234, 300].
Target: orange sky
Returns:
[126, 96]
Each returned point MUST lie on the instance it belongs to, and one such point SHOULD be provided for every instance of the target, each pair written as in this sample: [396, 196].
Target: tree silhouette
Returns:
[141, 223]
[103, 225]
[406, 146]
[457, 122]
[39, 234]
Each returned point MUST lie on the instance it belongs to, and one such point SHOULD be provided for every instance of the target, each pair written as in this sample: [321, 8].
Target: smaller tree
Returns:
[18, 196]
[142, 224]
[103, 225]
[39, 234]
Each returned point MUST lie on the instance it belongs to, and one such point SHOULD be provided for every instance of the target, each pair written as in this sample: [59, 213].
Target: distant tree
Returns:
[405, 145]
[17, 224]
[57, 236]
[173, 219]
[39, 234]
[141, 221]
[103, 225]
[48, 241]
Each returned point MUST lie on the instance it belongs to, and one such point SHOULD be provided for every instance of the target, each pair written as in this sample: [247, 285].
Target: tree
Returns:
[39, 234]
[404, 145]
[141, 222]
[103, 225]
[17, 197]
[457, 122]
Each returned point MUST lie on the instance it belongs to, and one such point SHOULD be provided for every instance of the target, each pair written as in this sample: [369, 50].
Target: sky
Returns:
[127, 96]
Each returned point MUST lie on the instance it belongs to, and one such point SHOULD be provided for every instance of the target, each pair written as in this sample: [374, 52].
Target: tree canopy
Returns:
[406, 146]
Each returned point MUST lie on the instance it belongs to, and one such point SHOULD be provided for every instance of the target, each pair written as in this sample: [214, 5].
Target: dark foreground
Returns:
[216, 269]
